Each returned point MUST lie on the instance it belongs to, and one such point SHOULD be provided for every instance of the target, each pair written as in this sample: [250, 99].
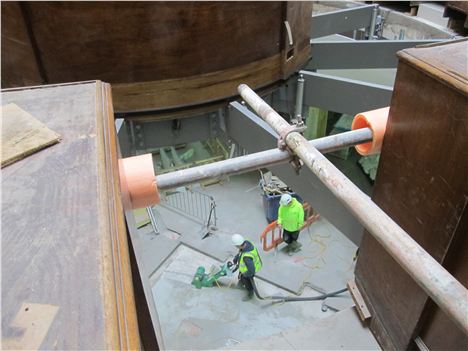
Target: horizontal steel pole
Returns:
[359, 54]
[257, 160]
[344, 95]
[341, 21]
[447, 292]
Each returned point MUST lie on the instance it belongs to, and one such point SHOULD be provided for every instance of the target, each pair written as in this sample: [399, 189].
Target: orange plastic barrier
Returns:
[276, 238]
[375, 120]
[309, 215]
[138, 178]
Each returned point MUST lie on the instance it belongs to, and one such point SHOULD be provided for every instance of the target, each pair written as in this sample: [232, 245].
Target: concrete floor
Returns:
[211, 318]
[216, 317]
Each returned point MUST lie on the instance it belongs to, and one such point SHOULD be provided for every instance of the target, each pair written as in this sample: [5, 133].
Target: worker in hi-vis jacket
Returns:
[290, 220]
[249, 263]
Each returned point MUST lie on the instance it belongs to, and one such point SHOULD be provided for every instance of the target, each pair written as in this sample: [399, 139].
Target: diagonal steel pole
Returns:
[447, 292]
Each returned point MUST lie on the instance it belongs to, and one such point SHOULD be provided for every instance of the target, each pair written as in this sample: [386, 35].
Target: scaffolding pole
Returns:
[257, 160]
[447, 292]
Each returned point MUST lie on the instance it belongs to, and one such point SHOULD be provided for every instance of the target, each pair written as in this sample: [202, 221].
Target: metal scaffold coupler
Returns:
[295, 161]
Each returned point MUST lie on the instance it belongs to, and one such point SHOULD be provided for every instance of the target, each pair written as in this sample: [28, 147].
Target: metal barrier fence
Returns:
[152, 218]
[195, 204]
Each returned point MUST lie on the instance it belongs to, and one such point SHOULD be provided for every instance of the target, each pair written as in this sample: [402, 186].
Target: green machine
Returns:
[203, 279]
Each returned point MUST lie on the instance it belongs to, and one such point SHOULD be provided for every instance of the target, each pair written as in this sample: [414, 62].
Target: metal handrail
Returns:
[152, 218]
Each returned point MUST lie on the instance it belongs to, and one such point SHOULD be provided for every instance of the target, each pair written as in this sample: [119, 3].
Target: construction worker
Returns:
[249, 263]
[290, 220]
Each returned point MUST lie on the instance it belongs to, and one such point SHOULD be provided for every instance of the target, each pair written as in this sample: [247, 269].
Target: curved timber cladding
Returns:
[160, 55]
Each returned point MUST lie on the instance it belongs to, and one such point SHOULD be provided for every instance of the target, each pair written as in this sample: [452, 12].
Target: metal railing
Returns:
[194, 204]
[152, 218]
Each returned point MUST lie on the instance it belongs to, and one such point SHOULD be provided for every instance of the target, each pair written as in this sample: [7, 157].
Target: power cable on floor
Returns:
[295, 298]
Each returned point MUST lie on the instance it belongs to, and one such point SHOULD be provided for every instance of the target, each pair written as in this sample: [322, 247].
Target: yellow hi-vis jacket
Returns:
[253, 254]
[291, 217]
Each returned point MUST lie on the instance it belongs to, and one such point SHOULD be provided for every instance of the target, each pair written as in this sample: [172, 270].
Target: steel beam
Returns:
[162, 133]
[341, 21]
[446, 291]
[344, 95]
[359, 54]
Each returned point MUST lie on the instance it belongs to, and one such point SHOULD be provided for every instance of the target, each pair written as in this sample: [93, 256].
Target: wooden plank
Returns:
[63, 231]
[359, 302]
[23, 135]
[421, 184]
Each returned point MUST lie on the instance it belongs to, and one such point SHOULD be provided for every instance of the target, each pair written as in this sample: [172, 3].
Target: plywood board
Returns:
[22, 134]
[157, 55]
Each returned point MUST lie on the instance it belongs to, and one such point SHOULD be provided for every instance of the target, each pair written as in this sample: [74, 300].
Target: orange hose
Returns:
[375, 120]
[138, 179]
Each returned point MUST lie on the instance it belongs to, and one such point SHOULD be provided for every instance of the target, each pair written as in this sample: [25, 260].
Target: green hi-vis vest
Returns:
[257, 261]
[291, 217]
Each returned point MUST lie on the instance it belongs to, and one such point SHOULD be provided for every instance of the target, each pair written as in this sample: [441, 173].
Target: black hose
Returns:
[296, 298]
[255, 288]
[311, 298]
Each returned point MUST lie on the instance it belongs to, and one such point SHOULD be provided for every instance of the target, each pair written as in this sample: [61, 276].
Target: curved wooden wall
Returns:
[156, 55]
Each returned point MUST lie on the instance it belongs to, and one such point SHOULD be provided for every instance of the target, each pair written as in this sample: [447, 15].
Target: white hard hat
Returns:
[237, 239]
[285, 199]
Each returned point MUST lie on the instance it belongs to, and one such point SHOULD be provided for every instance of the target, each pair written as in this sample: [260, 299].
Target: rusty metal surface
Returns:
[446, 62]
[438, 331]
[435, 280]
[421, 184]
[156, 54]
[63, 232]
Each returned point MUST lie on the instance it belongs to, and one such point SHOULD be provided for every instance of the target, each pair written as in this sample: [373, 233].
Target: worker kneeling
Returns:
[249, 263]
[290, 220]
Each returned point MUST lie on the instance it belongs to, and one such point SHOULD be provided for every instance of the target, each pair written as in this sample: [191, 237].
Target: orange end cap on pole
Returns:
[376, 120]
[138, 179]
